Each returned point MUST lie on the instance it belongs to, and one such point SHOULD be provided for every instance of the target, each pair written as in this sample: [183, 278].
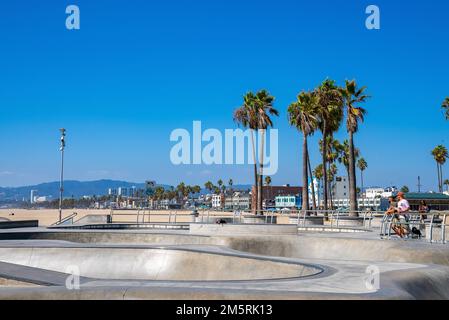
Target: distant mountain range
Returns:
[76, 189]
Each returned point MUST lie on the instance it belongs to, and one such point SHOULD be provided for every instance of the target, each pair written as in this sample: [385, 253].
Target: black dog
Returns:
[416, 232]
[221, 221]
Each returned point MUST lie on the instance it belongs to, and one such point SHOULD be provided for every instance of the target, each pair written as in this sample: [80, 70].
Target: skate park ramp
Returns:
[154, 264]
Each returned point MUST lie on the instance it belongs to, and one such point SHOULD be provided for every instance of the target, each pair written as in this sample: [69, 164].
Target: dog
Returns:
[416, 233]
[221, 221]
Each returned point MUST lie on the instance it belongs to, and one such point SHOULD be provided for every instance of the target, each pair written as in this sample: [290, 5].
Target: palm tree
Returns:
[330, 104]
[246, 115]
[352, 96]
[209, 186]
[264, 107]
[267, 180]
[319, 174]
[220, 183]
[440, 154]
[302, 115]
[446, 183]
[231, 183]
[362, 165]
[445, 106]
[405, 189]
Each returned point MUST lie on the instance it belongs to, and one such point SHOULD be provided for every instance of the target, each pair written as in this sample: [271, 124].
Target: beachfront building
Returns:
[218, 201]
[436, 201]
[288, 202]
[238, 200]
[271, 192]
[375, 192]
[340, 188]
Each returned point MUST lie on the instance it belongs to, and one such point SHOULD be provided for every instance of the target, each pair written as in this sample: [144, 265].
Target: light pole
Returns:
[61, 185]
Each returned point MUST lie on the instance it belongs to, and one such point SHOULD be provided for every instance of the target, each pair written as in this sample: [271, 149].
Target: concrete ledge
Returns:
[308, 221]
[242, 229]
[19, 224]
[349, 221]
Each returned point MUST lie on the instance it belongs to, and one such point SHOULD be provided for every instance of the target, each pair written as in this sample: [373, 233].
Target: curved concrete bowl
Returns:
[153, 264]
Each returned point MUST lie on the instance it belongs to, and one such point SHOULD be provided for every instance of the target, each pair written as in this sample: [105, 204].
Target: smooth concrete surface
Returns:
[242, 229]
[152, 264]
[409, 269]
[307, 221]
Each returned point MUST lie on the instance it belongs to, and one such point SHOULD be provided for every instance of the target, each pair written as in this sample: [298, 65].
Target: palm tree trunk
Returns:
[441, 177]
[311, 179]
[325, 194]
[256, 189]
[352, 178]
[260, 185]
[305, 178]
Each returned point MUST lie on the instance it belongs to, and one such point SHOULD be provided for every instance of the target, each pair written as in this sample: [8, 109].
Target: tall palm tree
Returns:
[318, 172]
[246, 116]
[314, 200]
[362, 165]
[330, 104]
[440, 154]
[445, 106]
[209, 186]
[303, 116]
[231, 183]
[264, 107]
[352, 96]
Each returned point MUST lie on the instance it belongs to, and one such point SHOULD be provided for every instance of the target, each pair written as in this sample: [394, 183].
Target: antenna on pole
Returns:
[419, 184]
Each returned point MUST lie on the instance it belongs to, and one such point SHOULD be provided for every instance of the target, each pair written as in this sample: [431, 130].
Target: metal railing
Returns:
[64, 220]
[432, 223]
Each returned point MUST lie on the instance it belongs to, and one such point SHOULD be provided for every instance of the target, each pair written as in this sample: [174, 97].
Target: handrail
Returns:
[73, 215]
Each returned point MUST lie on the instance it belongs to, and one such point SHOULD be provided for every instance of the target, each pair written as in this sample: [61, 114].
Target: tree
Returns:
[330, 104]
[440, 154]
[246, 116]
[362, 165]
[264, 107]
[318, 172]
[209, 186]
[303, 116]
[267, 180]
[405, 189]
[231, 183]
[352, 96]
[445, 106]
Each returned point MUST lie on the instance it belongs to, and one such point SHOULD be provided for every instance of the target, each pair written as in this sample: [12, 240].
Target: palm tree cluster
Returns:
[324, 109]
[255, 114]
[440, 154]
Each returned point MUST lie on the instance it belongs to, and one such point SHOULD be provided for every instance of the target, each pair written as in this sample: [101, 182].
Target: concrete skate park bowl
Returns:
[36, 263]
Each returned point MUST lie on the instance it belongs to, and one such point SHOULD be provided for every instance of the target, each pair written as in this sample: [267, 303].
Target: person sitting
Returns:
[393, 211]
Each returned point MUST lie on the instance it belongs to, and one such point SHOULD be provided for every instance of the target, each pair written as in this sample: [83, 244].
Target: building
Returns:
[340, 188]
[112, 192]
[270, 193]
[436, 201]
[218, 201]
[372, 193]
[238, 201]
[33, 195]
[288, 202]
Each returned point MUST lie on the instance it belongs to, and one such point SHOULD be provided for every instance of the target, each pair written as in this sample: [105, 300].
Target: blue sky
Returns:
[136, 70]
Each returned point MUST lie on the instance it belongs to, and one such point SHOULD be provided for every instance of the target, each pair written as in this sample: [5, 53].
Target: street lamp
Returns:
[61, 185]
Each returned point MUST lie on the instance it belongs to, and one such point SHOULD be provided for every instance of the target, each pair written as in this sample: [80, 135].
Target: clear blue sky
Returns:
[139, 69]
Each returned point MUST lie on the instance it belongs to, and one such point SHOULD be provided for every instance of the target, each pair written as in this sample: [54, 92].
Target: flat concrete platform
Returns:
[303, 266]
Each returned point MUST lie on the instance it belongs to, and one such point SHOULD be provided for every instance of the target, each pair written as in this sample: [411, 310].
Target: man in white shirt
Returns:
[403, 209]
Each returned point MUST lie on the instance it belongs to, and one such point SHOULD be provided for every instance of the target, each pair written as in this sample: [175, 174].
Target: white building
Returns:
[372, 193]
[217, 201]
[340, 188]
[238, 201]
[33, 195]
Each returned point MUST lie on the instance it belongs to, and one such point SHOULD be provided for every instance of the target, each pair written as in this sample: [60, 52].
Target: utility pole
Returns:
[61, 185]
[419, 184]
